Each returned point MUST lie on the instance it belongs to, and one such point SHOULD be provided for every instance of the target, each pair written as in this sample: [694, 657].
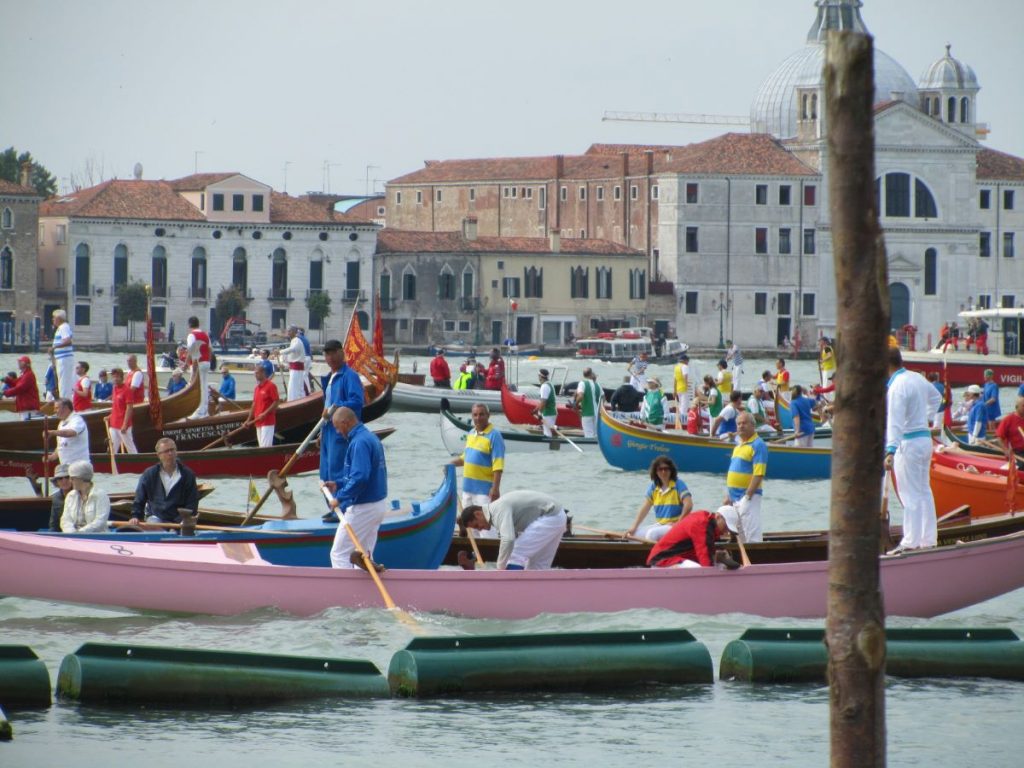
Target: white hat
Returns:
[61, 471]
[81, 469]
[731, 516]
[974, 389]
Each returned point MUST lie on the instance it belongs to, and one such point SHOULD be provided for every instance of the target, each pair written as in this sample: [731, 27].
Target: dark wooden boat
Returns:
[585, 551]
[32, 513]
[17, 435]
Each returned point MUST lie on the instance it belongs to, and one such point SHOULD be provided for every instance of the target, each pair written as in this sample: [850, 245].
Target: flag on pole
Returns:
[361, 357]
[254, 494]
[378, 329]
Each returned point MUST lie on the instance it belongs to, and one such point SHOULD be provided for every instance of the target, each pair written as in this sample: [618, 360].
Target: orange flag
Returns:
[378, 329]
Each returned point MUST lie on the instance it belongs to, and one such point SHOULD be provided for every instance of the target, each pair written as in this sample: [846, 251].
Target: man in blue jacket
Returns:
[342, 388]
[165, 489]
[360, 491]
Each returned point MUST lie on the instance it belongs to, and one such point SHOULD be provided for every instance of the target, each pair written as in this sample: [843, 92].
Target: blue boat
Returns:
[634, 448]
[416, 537]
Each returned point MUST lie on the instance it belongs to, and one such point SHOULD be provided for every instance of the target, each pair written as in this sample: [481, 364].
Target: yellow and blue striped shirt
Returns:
[484, 455]
[748, 459]
[667, 503]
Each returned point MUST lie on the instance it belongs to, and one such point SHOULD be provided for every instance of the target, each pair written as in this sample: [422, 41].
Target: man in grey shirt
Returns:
[530, 525]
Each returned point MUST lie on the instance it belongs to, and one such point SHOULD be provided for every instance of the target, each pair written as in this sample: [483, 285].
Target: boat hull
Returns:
[985, 494]
[408, 397]
[632, 448]
[232, 579]
[965, 368]
[519, 409]
[454, 431]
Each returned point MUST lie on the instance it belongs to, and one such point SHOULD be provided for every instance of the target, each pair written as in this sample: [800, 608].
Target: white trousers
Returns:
[654, 532]
[750, 517]
[65, 373]
[296, 384]
[911, 464]
[119, 438]
[365, 520]
[589, 426]
[536, 546]
[682, 409]
[204, 402]
[804, 441]
[265, 435]
[736, 373]
[547, 423]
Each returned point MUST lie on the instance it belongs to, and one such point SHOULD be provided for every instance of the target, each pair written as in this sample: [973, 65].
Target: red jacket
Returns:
[495, 374]
[692, 538]
[439, 370]
[25, 392]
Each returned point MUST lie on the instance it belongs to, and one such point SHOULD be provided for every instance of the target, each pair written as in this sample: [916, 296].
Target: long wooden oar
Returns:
[884, 534]
[46, 464]
[110, 446]
[744, 559]
[565, 437]
[614, 534]
[225, 528]
[368, 563]
[232, 403]
[224, 438]
[288, 465]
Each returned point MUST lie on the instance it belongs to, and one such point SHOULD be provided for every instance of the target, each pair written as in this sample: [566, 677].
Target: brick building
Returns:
[19, 237]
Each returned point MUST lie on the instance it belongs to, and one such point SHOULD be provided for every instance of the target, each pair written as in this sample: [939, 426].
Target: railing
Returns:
[80, 291]
[387, 303]
[160, 291]
[312, 291]
[280, 294]
[353, 294]
[198, 294]
[470, 303]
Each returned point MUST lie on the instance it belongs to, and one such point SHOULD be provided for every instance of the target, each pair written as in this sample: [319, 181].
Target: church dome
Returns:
[775, 107]
[948, 74]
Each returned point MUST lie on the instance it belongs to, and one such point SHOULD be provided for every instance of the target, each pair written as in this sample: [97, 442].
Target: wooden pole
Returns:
[855, 627]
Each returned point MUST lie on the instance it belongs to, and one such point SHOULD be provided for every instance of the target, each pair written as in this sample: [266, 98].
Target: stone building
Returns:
[190, 238]
[19, 237]
[445, 287]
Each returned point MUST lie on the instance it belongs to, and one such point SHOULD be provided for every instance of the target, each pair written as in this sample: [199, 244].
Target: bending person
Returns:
[530, 525]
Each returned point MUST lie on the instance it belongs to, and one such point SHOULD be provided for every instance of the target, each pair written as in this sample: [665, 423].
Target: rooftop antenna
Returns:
[195, 160]
[674, 117]
[286, 164]
[374, 167]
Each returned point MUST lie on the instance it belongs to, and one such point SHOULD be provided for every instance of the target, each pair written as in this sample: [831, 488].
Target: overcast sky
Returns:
[255, 85]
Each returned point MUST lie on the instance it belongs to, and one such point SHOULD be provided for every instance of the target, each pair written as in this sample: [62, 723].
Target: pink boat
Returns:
[232, 578]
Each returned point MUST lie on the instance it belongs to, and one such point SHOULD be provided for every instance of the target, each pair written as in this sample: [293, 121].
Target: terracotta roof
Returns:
[747, 154]
[487, 169]
[999, 165]
[401, 241]
[10, 188]
[285, 209]
[124, 199]
[198, 181]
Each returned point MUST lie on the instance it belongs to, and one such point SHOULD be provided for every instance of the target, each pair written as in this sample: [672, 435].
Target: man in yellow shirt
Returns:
[683, 388]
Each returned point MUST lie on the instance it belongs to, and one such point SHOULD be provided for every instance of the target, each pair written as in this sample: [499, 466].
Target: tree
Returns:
[231, 302]
[132, 301]
[319, 305]
[40, 179]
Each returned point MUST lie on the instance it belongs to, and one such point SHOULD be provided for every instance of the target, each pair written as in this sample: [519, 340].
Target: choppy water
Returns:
[930, 723]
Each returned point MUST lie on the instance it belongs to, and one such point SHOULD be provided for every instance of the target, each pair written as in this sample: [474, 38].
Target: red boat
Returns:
[519, 409]
[985, 494]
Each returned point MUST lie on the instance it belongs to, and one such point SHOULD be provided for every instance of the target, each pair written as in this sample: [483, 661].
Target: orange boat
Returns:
[985, 494]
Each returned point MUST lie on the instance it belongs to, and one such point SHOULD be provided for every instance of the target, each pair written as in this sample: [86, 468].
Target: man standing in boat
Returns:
[911, 404]
[136, 379]
[360, 491]
[165, 489]
[588, 400]
[747, 470]
[529, 524]
[990, 395]
[72, 434]
[265, 401]
[439, 371]
[198, 346]
[637, 369]
[683, 388]
[483, 460]
[294, 355]
[735, 359]
[121, 414]
[547, 411]
[342, 388]
[63, 353]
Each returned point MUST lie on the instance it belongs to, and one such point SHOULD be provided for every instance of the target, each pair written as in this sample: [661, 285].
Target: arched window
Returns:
[120, 265]
[384, 289]
[814, 106]
[951, 110]
[468, 282]
[279, 275]
[931, 272]
[899, 305]
[316, 271]
[533, 282]
[446, 284]
[924, 202]
[896, 199]
[409, 284]
[82, 285]
[159, 281]
[240, 271]
[6, 269]
[964, 110]
[897, 194]
[199, 272]
[805, 111]
[604, 282]
[579, 283]
[936, 109]
[7, 220]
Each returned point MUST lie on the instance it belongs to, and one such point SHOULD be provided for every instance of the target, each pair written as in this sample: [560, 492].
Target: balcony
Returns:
[661, 288]
[198, 295]
[469, 303]
[160, 292]
[280, 294]
[353, 294]
[312, 291]
[82, 290]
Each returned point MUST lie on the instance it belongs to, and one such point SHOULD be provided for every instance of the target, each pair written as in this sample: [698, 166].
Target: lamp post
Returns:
[721, 320]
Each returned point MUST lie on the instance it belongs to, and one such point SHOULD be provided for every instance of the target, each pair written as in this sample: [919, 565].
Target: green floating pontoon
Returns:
[799, 655]
[101, 673]
[24, 681]
[6, 732]
[583, 661]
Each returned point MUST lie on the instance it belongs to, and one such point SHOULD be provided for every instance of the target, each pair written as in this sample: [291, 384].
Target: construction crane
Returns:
[675, 117]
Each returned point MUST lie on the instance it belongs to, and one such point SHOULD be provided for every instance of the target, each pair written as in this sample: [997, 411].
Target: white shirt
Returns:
[137, 379]
[911, 404]
[294, 352]
[169, 480]
[63, 332]
[75, 448]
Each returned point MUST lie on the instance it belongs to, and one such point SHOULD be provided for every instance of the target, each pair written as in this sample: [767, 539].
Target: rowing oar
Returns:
[232, 403]
[224, 438]
[884, 535]
[110, 446]
[46, 464]
[744, 559]
[368, 564]
[566, 438]
[614, 534]
[150, 526]
[288, 465]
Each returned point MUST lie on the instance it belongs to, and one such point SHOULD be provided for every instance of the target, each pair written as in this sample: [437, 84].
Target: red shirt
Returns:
[1009, 430]
[120, 398]
[495, 374]
[139, 392]
[263, 397]
[25, 392]
[692, 538]
[204, 344]
[439, 370]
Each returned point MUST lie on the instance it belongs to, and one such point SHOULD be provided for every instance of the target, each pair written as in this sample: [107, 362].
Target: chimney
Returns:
[26, 174]
[469, 228]
[555, 239]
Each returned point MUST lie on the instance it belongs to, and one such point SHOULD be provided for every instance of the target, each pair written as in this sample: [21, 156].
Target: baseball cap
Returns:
[25, 359]
[732, 517]
[974, 389]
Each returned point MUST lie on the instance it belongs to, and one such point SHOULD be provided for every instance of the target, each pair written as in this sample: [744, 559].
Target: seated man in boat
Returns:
[165, 489]
[530, 525]
[227, 389]
[104, 387]
[655, 406]
[495, 375]
[724, 424]
[176, 383]
[977, 416]
[360, 492]
[465, 378]
[691, 541]
[62, 487]
[24, 390]
[1011, 430]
